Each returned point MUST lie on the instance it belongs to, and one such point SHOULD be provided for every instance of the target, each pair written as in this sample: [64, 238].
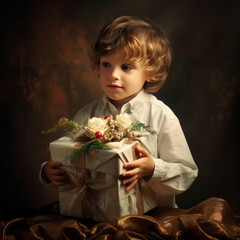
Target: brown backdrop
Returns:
[45, 75]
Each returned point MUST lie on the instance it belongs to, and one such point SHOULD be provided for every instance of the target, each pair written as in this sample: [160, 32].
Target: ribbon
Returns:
[80, 181]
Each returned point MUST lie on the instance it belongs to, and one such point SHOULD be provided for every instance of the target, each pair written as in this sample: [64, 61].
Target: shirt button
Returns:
[132, 108]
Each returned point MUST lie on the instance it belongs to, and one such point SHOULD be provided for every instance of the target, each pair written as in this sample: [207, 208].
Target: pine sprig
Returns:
[140, 126]
[93, 145]
[68, 126]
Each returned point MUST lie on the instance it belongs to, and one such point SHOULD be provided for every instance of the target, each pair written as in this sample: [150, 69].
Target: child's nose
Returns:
[115, 73]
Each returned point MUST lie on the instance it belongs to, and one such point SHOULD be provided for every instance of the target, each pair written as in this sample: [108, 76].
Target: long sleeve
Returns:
[42, 177]
[175, 169]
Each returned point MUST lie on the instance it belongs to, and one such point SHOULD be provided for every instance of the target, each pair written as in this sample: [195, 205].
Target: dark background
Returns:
[45, 75]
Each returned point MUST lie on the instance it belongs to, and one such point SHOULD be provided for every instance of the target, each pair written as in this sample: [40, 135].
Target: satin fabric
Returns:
[210, 219]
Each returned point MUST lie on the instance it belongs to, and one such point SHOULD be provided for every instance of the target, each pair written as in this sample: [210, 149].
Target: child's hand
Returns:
[143, 167]
[54, 174]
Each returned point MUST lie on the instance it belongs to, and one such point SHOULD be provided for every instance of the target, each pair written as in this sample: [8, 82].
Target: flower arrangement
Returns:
[100, 131]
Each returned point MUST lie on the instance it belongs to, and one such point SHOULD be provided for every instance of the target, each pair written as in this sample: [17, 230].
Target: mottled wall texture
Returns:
[45, 74]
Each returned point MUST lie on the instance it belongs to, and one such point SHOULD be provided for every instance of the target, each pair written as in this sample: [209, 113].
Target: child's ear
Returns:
[148, 78]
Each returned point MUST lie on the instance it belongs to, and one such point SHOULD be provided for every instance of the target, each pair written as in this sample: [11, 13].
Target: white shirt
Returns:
[175, 169]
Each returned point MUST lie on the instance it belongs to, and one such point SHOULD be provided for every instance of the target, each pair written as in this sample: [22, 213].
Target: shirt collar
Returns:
[131, 105]
[106, 100]
[138, 100]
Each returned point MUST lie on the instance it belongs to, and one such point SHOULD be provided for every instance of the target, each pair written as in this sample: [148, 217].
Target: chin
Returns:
[114, 97]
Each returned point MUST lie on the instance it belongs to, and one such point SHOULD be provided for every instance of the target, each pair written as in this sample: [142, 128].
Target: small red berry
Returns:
[98, 134]
[106, 117]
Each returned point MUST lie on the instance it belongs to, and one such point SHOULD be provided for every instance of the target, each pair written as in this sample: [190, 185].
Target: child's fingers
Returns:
[131, 173]
[58, 172]
[133, 164]
[59, 178]
[48, 150]
[132, 185]
[54, 164]
[144, 152]
[128, 181]
[58, 184]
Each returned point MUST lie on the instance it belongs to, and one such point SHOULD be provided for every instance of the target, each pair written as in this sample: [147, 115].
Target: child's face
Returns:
[121, 79]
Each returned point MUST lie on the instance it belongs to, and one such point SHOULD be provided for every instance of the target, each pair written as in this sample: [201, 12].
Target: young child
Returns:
[132, 57]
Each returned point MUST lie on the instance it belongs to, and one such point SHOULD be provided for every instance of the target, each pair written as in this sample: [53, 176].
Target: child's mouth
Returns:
[113, 86]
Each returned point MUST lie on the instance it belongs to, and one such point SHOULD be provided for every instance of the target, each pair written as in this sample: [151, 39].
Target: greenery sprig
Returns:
[63, 124]
[93, 145]
[97, 143]
[140, 126]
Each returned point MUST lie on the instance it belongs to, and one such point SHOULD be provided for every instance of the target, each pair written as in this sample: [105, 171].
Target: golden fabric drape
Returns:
[210, 219]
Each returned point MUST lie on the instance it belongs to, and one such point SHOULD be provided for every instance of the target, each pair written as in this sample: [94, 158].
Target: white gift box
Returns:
[94, 190]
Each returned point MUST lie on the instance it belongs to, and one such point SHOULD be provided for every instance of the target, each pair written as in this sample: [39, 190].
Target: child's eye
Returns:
[126, 67]
[106, 64]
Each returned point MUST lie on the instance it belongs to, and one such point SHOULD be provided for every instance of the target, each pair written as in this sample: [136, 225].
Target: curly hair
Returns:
[141, 40]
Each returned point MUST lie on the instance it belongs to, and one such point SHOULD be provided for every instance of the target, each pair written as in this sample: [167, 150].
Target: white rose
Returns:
[123, 120]
[95, 125]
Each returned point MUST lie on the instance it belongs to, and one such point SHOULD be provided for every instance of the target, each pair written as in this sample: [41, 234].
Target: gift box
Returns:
[94, 189]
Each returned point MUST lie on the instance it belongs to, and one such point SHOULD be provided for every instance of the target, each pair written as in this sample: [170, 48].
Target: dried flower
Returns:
[123, 120]
[62, 121]
[96, 125]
